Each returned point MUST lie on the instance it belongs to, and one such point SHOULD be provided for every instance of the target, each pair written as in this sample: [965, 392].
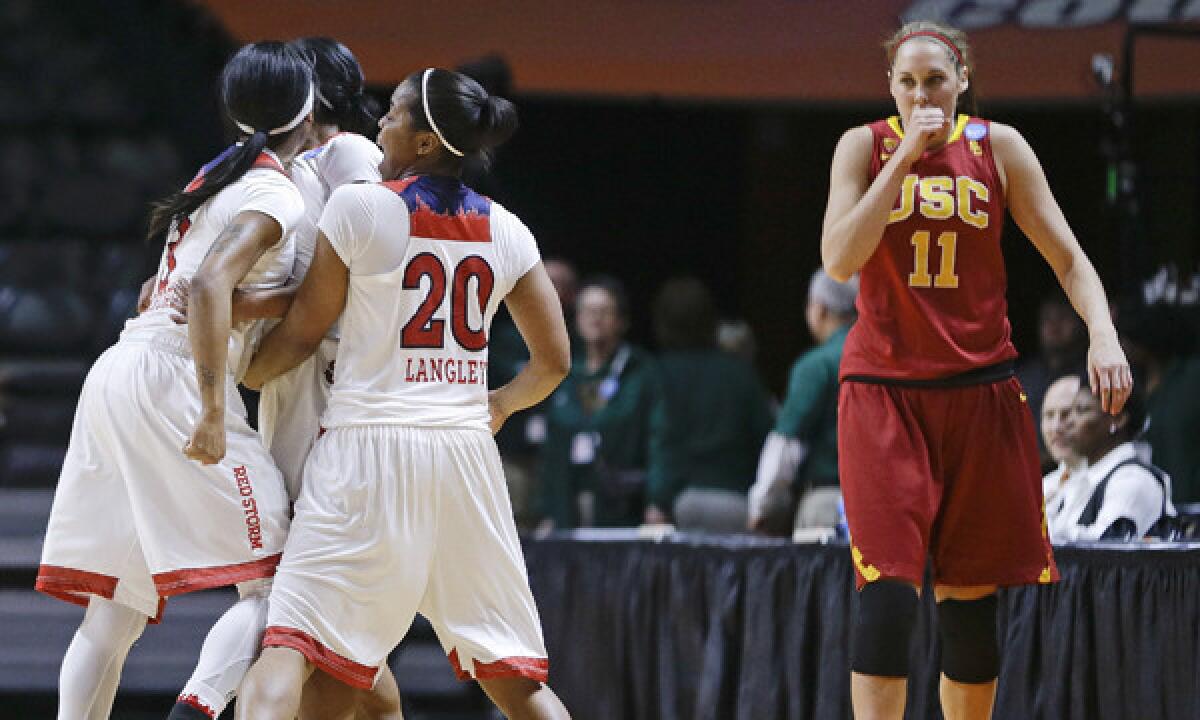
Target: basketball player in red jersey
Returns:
[940, 456]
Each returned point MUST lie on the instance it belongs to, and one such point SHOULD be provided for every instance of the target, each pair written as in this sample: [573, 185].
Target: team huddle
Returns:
[354, 283]
[357, 250]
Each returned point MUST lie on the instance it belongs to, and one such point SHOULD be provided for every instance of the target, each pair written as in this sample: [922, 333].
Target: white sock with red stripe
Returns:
[91, 668]
[228, 651]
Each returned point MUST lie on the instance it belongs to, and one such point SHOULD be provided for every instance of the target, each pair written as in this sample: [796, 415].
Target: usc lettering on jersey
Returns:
[931, 301]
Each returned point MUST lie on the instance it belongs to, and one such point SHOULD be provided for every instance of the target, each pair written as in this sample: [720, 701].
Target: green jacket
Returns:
[809, 411]
[609, 411]
[1174, 432]
[714, 421]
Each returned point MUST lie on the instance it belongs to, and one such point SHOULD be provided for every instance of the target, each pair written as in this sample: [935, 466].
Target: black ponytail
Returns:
[466, 116]
[263, 86]
[341, 86]
[497, 121]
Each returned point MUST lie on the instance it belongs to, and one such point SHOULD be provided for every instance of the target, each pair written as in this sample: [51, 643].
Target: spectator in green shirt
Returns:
[799, 457]
[715, 416]
[598, 421]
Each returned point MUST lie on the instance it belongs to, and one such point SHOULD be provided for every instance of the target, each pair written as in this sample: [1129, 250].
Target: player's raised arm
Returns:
[1037, 213]
[857, 210]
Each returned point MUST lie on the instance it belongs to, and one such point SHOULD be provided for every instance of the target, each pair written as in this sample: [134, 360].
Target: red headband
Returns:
[936, 36]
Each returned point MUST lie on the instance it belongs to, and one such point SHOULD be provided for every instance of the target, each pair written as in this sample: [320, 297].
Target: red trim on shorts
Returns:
[353, 674]
[74, 586]
[195, 702]
[177, 582]
[536, 669]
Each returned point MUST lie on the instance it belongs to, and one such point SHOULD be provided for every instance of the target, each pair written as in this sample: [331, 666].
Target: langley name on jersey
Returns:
[454, 371]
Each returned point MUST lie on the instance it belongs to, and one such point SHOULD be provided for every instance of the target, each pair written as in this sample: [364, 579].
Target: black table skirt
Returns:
[749, 629]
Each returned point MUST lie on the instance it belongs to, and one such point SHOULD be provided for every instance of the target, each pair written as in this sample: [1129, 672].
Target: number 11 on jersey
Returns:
[946, 277]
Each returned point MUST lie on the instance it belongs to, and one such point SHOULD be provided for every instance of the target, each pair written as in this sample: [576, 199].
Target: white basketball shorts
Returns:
[134, 520]
[289, 412]
[396, 520]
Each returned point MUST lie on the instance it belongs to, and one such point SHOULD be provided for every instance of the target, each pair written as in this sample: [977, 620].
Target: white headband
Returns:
[304, 111]
[429, 115]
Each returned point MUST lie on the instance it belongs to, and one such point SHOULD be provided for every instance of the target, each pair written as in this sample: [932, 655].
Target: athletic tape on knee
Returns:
[883, 627]
[970, 653]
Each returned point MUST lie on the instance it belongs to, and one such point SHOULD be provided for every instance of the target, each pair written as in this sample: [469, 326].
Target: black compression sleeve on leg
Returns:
[970, 653]
[883, 627]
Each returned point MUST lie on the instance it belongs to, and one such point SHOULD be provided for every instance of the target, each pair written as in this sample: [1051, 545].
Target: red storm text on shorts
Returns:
[249, 507]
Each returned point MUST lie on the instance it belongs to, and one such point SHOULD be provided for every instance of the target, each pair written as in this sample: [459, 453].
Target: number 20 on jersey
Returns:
[426, 331]
[942, 198]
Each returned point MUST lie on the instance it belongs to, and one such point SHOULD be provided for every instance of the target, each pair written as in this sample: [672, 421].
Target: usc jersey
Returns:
[931, 301]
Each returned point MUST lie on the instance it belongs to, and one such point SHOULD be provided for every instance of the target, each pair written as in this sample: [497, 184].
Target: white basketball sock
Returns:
[91, 668]
[229, 650]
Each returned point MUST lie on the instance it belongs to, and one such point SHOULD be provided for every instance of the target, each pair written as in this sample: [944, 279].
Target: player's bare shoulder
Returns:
[855, 142]
[1006, 139]
[1010, 150]
[852, 155]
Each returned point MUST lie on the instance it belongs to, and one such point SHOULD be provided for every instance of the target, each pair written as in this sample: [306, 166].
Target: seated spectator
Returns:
[1056, 409]
[1062, 350]
[1161, 340]
[598, 421]
[1118, 496]
[799, 456]
[716, 414]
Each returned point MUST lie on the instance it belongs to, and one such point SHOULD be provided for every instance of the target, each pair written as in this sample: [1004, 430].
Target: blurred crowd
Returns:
[686, 434]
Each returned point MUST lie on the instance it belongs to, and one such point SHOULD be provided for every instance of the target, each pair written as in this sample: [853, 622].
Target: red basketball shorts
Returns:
[946, 474]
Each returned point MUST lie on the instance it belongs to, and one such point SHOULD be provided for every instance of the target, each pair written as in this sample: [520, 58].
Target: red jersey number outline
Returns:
[181, 229]
[423, 330]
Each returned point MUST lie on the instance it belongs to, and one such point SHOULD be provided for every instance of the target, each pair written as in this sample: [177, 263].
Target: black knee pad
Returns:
[887, 614]
[970, 653]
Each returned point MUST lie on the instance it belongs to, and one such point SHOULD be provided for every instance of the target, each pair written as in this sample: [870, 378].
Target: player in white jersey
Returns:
[403, 508]
[290, 406]
[165, 489]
